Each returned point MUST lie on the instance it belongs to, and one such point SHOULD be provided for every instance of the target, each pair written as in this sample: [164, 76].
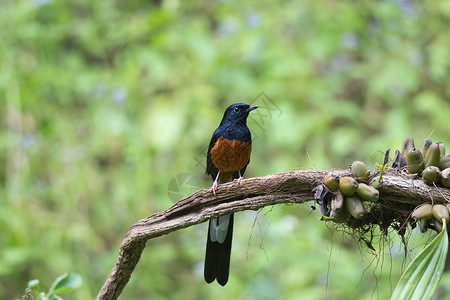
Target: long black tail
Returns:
[218, 254]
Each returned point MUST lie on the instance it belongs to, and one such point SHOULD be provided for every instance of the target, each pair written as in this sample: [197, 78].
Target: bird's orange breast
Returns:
[230, 156]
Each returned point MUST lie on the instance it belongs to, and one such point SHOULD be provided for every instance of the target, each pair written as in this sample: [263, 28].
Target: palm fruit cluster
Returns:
[349, 193]
[428, 215]
[429, 161]
[432, 164]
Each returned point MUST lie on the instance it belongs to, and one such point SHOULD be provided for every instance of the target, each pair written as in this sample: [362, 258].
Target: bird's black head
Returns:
[237, 113]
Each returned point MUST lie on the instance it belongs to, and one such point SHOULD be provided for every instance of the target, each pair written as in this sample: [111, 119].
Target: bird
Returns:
[227, 158]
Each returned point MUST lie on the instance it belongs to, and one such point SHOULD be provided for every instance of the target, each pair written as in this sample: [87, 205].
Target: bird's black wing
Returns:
[210, 167]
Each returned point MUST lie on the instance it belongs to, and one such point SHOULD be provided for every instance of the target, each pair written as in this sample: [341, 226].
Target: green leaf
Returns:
[65, 283]
[33, 284]
[422, 276]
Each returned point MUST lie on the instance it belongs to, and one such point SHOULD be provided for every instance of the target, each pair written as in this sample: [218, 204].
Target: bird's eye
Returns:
[236, 109]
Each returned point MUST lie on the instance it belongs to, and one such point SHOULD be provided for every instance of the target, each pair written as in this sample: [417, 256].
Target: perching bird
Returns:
[228, 157]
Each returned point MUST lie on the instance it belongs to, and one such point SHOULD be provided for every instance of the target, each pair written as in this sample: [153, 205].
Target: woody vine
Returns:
[390, 197]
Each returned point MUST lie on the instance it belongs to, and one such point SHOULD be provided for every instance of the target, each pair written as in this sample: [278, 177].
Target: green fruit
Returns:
[414, 161]
[348, 185]
[431, 175]
[359, 169]
[441, 149]
[433, 155]
[354, 206]
[367, 192]
[444, 162]
[376, 182]
[423, 224]
[425, 145]
[424, 211]
[408, 143]
[445, 178]
[440, 212]
[337, 202]
[331, 181]
[438, 225]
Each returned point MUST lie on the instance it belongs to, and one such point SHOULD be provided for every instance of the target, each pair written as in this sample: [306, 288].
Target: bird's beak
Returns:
[251, 108]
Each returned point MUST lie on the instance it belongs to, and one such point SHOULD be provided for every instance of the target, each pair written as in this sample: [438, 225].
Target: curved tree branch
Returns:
[251, 194]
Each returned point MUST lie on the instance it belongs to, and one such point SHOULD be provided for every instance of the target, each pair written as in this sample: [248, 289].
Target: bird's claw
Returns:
[214, 187]
[238, 180]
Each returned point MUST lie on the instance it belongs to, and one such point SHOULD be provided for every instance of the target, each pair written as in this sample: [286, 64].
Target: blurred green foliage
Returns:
[106, 108]
[65, 283]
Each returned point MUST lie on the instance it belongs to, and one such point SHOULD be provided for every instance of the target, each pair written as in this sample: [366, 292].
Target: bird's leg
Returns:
[215, 184]
[240, 177]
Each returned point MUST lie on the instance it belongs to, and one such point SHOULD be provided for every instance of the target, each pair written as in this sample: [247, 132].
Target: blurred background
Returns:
[107, 108]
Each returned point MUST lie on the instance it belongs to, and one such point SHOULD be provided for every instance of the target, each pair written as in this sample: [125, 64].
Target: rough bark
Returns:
[251, 194]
